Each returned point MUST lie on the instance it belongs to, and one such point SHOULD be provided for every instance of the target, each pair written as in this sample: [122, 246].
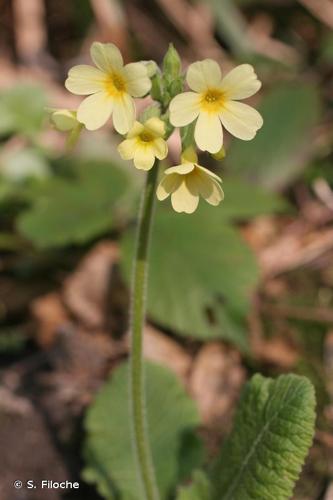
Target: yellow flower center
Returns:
[213, 100]
[146, 137]
[115, 84]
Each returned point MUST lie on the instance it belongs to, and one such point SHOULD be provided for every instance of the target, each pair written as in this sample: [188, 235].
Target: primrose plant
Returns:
[274, 424]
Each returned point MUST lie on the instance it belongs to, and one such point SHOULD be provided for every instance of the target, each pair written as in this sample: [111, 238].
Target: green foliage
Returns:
[12, 340]
[199, 489]
[278, 152]
[22, 110]
[273, 430]
[108, 448]
[67, 210]
[243, 201]
[201, 263]
[23, 164]
[326, 52]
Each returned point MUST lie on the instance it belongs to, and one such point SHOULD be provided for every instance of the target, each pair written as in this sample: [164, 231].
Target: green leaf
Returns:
[281, 148]
[199, 489]
[24, 164]
[75, 209]
[108, 448]
[202, 272]
[22, 110]
[273, 430]
[244, 201]
[197, 264]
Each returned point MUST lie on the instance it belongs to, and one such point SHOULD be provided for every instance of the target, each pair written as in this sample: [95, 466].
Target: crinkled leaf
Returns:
[273, 430]
[282, 147]
[198, 266]
[108, 448]
[75, 209]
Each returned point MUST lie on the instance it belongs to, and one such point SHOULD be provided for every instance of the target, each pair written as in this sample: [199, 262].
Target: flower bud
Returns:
[64, 120]
[151, 68]
[171, 63]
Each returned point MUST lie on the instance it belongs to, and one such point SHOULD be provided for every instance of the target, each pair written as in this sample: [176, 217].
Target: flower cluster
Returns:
[202, 113]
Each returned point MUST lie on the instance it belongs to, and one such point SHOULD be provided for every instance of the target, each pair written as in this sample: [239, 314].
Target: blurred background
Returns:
[236, 290]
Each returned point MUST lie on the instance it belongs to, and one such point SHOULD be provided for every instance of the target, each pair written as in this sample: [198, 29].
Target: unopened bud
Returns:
[64, 120]
[151, 68]
[171, 63]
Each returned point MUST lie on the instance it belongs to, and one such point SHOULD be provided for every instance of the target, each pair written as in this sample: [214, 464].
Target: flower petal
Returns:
[192, 184]
[241, 120]
[240, 83]
[183, 169]
[216, 196]
[64, 119]
[183, 200]
[208, 173]
[127, 149]
[184, 108]
[143, 157]
[106, 56]
[156, 126]
[208, 132]
[159, 148]
[209, 188]
[137, 80]
[203, 74]
[85, 80]
[95, 110]
[123, 114]
[135, 130]
[168, 185]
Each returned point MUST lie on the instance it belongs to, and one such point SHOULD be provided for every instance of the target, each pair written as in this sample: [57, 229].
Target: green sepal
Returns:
[171, 64]
[187, 136]
[150, 112]
[176, 86]
[157, 87]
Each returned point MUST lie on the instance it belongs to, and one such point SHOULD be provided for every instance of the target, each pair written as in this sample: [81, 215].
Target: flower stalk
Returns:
[137, 314]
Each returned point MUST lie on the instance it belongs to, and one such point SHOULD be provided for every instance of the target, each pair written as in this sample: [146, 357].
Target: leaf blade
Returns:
[273, 431]
[171, 413]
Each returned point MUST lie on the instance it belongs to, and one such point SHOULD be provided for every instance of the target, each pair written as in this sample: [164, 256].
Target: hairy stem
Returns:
[138, 312]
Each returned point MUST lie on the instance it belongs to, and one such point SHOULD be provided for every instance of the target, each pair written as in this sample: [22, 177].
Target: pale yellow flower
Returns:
[214, 102]
[111, 88]
[144, 143]
[187, 182]
[64, 120]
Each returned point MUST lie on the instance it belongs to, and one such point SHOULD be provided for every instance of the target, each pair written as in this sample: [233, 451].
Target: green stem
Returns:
[138, 312]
